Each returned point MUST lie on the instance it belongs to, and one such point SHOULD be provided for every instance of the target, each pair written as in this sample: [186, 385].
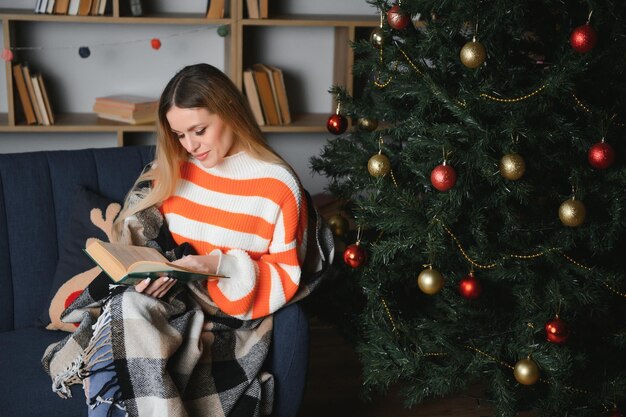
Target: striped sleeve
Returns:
[261, 285]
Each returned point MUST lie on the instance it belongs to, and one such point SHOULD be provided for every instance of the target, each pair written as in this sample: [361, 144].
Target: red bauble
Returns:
[556, 331]
[155, 43]
[397, 19]
[469, 286]
[616, 413]
[355, 255]
[337, 124]
[583, 38]
[443, 177]
[601, 155]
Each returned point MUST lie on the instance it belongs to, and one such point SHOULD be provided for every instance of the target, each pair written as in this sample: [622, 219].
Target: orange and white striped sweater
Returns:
[252, 214]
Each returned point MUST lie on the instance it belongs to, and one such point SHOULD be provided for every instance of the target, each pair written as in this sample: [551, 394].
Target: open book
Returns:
[127, 264]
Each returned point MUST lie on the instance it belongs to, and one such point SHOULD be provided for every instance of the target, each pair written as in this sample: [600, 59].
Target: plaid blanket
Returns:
[180, 355]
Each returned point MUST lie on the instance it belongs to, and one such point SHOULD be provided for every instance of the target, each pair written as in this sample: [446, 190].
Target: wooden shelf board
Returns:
[314, 20]
[301, 123]
[169, 18]
[80, 122]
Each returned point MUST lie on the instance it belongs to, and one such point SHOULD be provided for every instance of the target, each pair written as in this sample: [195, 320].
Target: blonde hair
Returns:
[194, 86]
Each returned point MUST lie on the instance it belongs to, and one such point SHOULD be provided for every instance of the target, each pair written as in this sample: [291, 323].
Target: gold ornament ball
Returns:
[377, 37]
[430, 281]
[526, 371]
[369, 125]
[572, 213]
[473, 54]
[378, 165]
[338, 224]
[512, 166]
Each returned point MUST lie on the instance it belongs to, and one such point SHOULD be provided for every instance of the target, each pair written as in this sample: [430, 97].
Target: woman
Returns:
[217, 187]
[222, 189]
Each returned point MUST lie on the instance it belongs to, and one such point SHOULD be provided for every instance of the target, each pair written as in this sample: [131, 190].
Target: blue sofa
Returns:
[36, 191]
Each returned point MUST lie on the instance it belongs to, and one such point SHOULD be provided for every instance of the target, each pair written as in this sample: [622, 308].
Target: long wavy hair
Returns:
[194, 86]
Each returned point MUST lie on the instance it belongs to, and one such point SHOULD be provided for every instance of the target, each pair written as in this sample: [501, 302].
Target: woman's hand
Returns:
[155, 287]
[201, 263]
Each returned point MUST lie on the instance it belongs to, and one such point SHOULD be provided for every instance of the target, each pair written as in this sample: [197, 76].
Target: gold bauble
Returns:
[526, 371]
[512, 166]
[338, 224]
[377, 37]
[430, 281]
[379, 165]
[572, 213]
[473, 54]
[369, 125]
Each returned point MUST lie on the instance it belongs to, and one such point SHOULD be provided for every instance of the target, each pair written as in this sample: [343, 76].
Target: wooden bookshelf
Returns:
[345, 29]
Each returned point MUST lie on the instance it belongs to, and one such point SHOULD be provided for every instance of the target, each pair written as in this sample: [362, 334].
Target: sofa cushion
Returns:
[26, 388]
[91, 217]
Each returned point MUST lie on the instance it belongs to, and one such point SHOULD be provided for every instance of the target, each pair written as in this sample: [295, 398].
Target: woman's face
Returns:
[204, 135]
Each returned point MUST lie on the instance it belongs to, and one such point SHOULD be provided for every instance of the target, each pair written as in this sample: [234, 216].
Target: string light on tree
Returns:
[601, 155]
[396, 18]
[526, 371]
[556, 330]
[430, 281]
[584, 38]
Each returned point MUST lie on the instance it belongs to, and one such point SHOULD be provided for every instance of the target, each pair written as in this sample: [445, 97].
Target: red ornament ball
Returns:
[556, 331]
[601, 155]
[469, 287]
[616, 413]
[583, 38]
[397, 19]
[443, 177]
[355, 255]
[337, 124]
[155, 43]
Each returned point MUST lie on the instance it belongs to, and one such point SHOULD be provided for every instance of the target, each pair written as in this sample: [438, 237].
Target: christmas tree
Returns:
[483, 179]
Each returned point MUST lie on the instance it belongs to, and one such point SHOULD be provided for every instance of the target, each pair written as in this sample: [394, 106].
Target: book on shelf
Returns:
[41, 6]
[45, 120]
[95, 6]
[72, 9]
[136, 8]
[31, 92]
[61, 6]
[216, 9]
[126, 108]
[263, 9]
[253, 9]
[22, 92]
[46, 100]
[263, 81]
[253, 97]
[102, 7]
[50, 6]
[128, 264]
[281, 94]
[84, 8]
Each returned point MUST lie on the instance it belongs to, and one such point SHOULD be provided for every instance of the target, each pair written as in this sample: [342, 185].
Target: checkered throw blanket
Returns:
[181, 355]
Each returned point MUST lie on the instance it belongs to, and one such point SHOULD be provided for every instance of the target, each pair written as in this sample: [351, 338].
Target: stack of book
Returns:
[257, 9]
[265, 89]
[33, 95]
[127, 108]
[72, 7]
